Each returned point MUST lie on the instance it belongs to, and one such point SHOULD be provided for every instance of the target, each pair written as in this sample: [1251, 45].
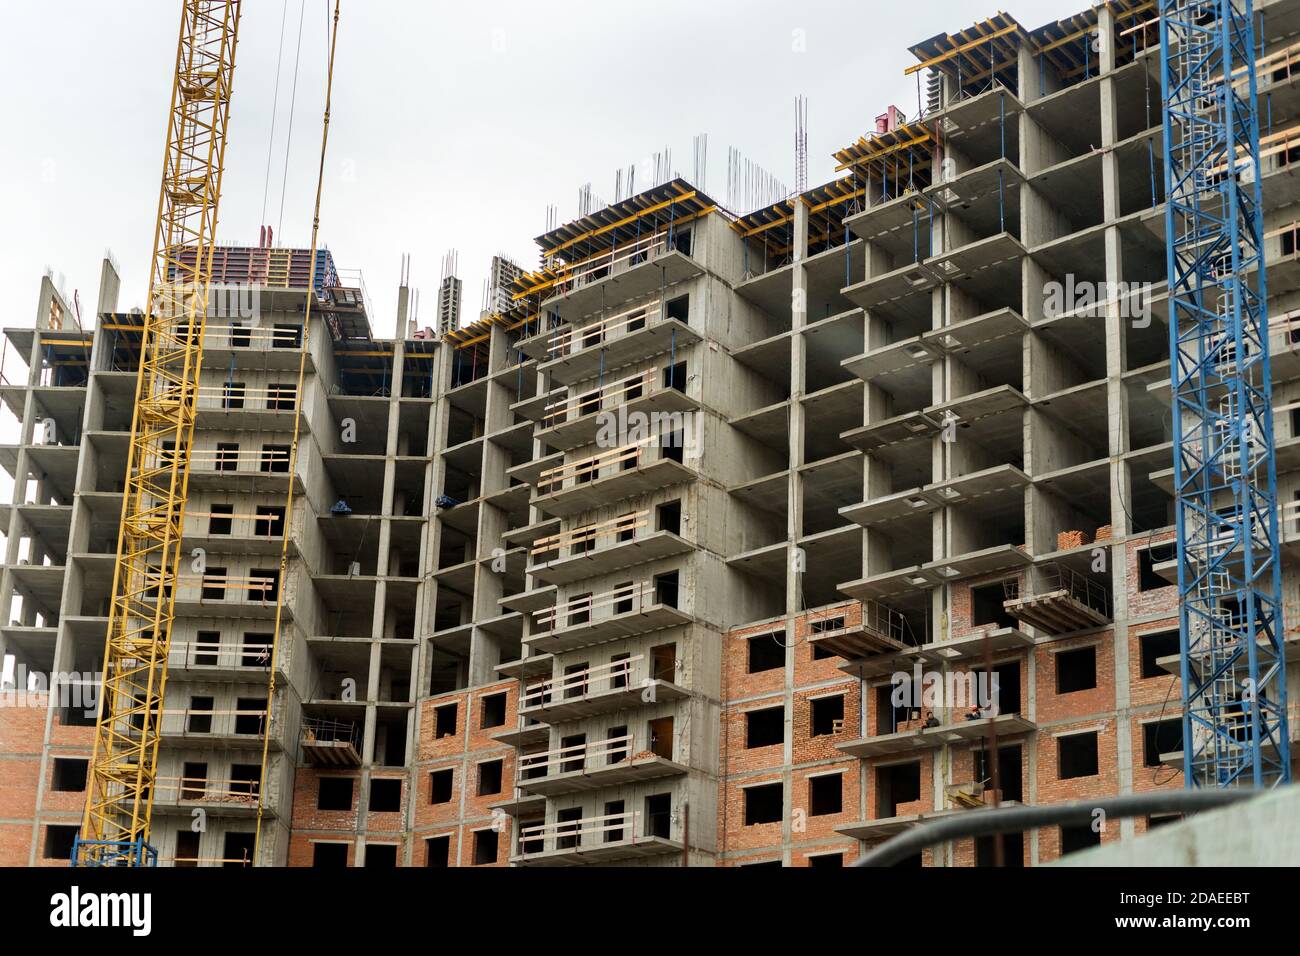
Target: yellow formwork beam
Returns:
[963, 48]
[123, 766]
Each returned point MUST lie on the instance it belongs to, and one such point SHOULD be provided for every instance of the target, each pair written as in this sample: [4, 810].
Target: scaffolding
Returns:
[1225, 481]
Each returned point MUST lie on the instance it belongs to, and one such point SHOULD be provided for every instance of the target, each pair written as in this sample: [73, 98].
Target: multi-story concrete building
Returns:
[635, 570]
[449, 296]
[499, 286]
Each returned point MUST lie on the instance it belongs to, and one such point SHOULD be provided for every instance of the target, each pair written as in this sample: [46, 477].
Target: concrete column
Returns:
[795, 561]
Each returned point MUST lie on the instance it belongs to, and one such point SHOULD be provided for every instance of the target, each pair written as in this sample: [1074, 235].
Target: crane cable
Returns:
[293, 449]
[275, 109]
[293, 100]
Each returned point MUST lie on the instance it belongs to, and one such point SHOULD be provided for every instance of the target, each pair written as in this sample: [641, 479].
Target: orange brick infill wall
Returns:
[960, 622]
[1161, 600]
[808, 678]
[306, 794]
[23, 718]
[462, 753]
[302, 846]
[1051, 707]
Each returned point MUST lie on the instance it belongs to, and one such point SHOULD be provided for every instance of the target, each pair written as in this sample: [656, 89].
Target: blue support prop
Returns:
[916, 235]
[1002, 123]
[115, 853]
[1235, 729]
[1151, 162]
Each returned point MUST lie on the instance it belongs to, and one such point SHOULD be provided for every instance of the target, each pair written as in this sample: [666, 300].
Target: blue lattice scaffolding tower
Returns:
[1225, 476]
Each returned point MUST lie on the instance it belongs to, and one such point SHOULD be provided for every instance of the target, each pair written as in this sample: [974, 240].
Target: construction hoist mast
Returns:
[115, 827]
[1225, 479]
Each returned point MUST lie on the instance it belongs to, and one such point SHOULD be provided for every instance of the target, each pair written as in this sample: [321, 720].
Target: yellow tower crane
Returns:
[115, 827]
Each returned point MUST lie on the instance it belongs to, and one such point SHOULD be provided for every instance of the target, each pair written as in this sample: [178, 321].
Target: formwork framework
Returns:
[115, 827]
[1225, 478]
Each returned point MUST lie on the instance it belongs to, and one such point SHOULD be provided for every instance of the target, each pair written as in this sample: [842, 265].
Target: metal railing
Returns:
[214, 653]
[567, 340]
[576, 757]
[582, 540]
[1055, 578]
[605, 264]
[570, 834]
[320, 730]
[613, 395]
[612, 676]
[592, 608]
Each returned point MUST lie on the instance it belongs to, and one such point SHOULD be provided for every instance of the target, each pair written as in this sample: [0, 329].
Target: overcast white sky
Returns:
[455, 124]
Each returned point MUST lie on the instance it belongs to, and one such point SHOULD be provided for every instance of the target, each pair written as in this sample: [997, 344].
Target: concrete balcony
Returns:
[523, 735]
[600, 480]
[602, 763]
[254, 347]
[247, 471]
[881, 631]
[973, 648]
[226, 662]
[220, 728]
[181, 795]
[575, 354]
[633, 269]
[243, 595]
[602, 548]
[955, 733]
[264, 408]
[596, 618]
[603, 689]
[574, 421]
[611, 838]
[331, 743]
[1061, 601]
[242, 532]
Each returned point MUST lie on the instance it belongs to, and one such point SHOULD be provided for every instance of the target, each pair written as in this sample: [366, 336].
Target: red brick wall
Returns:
[809, 679]
[462, 752]
[1051, 706]
[22, 741]
[1159, 600]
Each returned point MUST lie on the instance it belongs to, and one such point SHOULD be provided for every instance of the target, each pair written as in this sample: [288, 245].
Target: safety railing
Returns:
[593, 608]
[1054, 578]
[252, 337]
[574, 834]
[237, 396]
[209, 721]
[583, 540]
[174, 789]
[598, 400]
[322, 730]
[577, 757]
[252, 655]
[603, 677]
[568, 340]
[605, 264]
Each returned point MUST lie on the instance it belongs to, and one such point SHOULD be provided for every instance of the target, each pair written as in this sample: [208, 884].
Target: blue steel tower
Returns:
[1225, 478]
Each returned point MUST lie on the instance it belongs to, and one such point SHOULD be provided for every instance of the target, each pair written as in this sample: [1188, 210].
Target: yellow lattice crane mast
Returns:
[115, 827]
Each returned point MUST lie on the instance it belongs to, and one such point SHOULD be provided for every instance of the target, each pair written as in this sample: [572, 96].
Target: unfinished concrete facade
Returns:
[628, 573]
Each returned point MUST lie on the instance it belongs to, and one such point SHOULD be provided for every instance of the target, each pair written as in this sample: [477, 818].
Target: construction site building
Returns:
[633, 571]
